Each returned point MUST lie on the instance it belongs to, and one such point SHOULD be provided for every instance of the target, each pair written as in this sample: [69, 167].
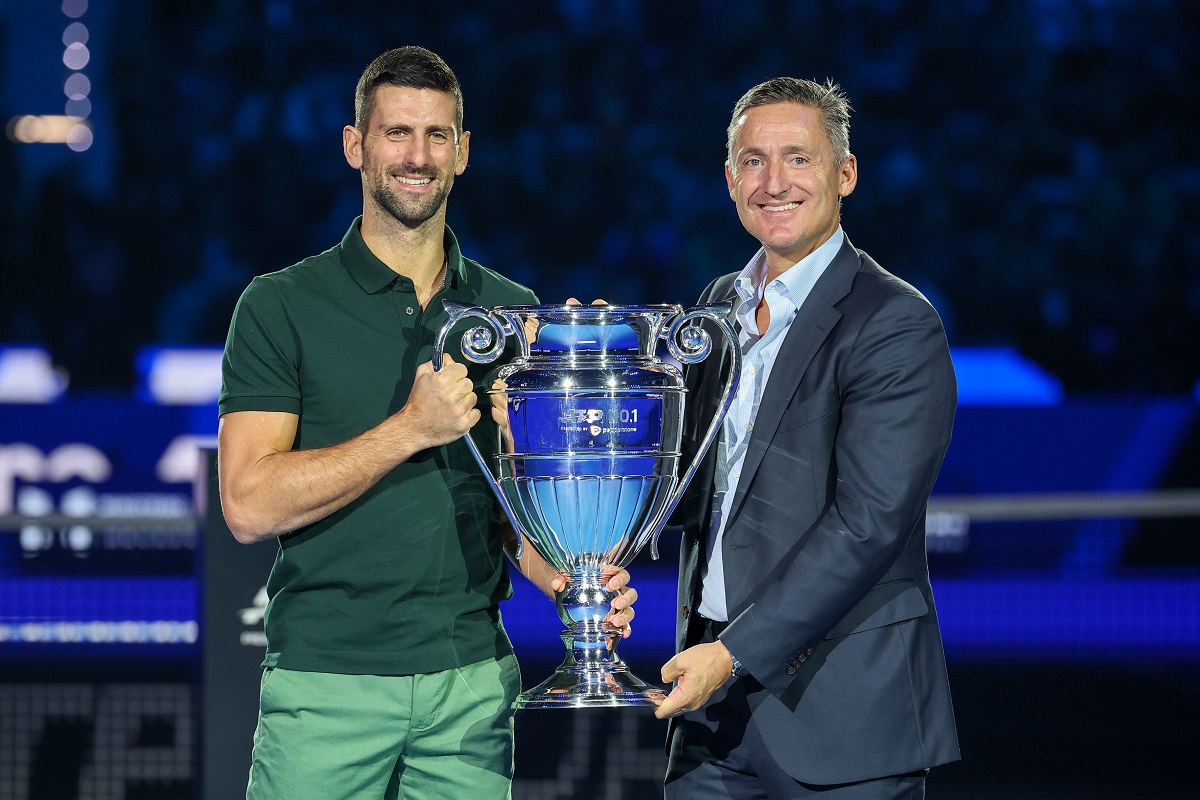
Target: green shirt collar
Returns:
[372, 275]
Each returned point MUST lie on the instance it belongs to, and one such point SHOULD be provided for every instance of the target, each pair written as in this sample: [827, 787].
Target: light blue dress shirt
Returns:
[784, 296]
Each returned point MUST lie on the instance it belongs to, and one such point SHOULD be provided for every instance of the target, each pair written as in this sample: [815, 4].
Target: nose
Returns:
[776, 181]
[417, 153]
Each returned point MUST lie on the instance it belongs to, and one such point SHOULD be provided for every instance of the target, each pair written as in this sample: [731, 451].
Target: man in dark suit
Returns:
[810, 660]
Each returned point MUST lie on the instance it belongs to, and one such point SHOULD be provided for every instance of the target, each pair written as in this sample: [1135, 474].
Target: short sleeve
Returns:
[259, 371]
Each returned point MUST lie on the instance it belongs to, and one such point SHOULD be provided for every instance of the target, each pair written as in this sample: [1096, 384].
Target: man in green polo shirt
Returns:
[388, 672]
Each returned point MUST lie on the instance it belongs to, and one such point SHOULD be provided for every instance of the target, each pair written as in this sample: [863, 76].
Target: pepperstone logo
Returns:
[252, 617]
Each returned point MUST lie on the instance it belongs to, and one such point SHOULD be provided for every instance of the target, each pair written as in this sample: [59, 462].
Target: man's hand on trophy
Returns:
[531, 328]
[621, 616]
[698, 671]
[441, 404]
[499, 400]
[571, 301]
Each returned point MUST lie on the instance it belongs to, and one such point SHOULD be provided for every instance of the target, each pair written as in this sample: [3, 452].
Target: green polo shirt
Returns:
[405, 579]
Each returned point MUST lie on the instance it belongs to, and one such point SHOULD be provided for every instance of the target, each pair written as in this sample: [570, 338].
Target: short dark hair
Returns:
[827, 98]
[409, 67]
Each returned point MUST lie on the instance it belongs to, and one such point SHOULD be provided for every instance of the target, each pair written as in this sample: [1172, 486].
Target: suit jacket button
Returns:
[801, 659]
[791, 670]
[684, 612]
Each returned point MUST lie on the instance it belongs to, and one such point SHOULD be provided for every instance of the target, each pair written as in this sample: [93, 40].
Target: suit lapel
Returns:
[703, 385]
[708, 389]
[812, 325]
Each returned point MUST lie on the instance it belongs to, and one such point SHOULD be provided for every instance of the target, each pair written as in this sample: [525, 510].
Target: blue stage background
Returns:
[1031, 166]
[1051, 589]
[1073, 645]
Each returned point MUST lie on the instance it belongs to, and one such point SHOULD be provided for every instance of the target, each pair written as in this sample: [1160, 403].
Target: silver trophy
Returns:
[588, 468]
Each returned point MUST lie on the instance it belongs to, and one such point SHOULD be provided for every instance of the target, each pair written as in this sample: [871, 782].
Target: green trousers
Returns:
[382, 737]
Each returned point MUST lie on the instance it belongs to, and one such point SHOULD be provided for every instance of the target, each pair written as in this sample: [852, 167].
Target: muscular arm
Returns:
[267, 488]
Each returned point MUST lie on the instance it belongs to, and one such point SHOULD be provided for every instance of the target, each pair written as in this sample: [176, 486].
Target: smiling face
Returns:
[409, 152]
[785, 182]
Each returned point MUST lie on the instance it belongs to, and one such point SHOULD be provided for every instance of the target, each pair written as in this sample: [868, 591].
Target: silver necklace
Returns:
[445, 269]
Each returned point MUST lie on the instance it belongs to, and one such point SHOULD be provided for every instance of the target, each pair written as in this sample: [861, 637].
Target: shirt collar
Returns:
[796, 281]
[372, 275]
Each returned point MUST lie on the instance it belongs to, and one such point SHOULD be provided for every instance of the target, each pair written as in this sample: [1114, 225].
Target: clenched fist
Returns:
[441, 406]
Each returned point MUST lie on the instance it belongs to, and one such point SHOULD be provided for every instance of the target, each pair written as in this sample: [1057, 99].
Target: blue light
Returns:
[28, 375]
[179, 375]
[1000, 376]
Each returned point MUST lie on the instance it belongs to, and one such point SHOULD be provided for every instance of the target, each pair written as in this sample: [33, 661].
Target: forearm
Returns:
[531, 564]
[284, 490]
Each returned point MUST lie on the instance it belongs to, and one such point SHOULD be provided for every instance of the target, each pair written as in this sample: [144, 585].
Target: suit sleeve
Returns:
[898, 396]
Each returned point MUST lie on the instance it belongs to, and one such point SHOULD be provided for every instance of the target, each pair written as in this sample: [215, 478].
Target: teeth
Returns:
[784, 207]
[414, 181]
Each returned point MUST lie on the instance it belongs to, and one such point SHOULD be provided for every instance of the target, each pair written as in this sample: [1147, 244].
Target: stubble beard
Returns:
[414, 212]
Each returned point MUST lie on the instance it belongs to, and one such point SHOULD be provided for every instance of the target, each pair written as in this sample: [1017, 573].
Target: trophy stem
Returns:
[592, 675]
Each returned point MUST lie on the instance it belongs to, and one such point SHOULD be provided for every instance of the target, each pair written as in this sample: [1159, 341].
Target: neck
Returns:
[780, 262]
[416, 253]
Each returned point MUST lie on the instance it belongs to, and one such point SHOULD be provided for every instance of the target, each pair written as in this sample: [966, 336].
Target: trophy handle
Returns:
[691, 344]
[481, 345]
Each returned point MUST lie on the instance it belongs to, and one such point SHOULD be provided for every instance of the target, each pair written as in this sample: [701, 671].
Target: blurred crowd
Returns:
[1031, 166]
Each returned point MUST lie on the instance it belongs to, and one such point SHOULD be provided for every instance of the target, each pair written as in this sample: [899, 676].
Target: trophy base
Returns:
[591, 676]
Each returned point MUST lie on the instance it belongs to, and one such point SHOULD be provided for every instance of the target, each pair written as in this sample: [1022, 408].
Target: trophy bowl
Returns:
[587, 469]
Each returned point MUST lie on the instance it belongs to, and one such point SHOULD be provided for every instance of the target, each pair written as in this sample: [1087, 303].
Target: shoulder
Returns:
[874, 288]
[493, 289]
[720, 289]
[295, 287]
[303, 274]
[275, 300]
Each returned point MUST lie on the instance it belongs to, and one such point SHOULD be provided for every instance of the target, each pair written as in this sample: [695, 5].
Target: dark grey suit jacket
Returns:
[826, 578]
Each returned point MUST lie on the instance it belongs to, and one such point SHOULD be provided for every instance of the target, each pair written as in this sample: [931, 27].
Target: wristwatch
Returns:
[738, 669]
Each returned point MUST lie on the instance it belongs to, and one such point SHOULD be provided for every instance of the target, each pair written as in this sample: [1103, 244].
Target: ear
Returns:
[849, 176]
[729, 182]
[352, 146]
[464, 153]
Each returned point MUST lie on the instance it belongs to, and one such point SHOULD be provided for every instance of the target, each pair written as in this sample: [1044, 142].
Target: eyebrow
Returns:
[391, 126]
[791, 148]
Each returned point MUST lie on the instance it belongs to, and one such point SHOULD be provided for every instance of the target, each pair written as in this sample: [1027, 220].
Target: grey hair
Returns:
[827, 98]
